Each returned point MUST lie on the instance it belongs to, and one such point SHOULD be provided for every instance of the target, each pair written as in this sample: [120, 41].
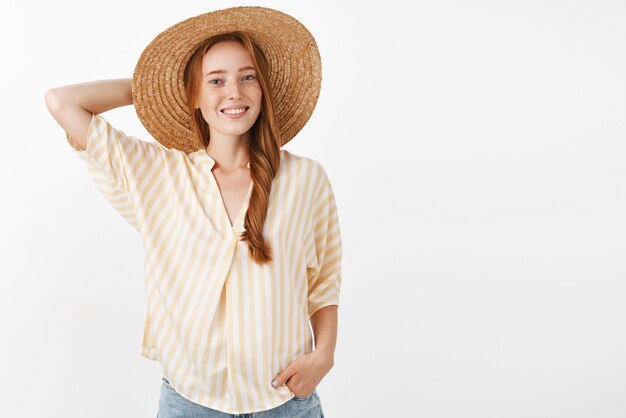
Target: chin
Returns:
[239, 131]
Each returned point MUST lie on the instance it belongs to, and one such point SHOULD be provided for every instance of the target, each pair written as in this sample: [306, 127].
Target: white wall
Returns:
[476, 151]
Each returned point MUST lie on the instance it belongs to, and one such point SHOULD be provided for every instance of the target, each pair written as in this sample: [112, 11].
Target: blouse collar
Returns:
[204, 156]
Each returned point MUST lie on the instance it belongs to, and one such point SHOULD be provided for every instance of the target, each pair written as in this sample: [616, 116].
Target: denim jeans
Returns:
[173, 405]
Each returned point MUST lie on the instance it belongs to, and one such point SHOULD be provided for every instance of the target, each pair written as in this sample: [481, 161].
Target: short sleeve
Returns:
[119, 164]
[324, 267]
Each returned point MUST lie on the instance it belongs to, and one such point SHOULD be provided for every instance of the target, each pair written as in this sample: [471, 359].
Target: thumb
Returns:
[281, 378]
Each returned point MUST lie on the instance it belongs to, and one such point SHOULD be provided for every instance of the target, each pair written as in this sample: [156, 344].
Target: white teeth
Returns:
[234, 111]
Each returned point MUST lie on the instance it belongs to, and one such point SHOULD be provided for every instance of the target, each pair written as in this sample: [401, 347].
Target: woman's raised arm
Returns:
[73, 105]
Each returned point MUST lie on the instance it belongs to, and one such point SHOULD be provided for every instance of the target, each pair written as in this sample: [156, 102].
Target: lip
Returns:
[240, 115]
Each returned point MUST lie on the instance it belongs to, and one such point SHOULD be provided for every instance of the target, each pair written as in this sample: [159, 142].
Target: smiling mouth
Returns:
[236, 111]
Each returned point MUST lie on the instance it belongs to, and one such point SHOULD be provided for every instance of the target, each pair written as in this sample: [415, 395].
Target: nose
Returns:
[234, 90]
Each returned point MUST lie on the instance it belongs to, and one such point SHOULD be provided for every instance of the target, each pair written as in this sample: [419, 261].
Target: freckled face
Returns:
[229, 80]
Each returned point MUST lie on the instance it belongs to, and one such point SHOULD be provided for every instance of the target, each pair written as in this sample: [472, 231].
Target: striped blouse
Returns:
[220, 325]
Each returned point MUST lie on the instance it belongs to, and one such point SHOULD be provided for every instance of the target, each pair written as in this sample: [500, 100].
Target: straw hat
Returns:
[294, 63]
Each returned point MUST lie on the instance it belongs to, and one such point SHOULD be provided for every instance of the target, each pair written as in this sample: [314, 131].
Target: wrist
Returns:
[327, 354]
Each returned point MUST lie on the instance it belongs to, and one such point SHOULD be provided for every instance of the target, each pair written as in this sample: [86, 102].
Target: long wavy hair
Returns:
[265, 142]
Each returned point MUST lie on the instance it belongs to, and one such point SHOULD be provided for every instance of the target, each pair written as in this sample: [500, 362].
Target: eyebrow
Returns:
[223, 71]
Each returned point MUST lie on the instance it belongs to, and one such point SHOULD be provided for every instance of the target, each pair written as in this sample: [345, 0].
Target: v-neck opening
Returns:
[241, 208]
[240, 212]
[202, 152]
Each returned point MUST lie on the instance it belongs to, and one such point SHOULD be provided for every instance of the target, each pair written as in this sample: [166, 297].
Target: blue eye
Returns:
[217, 79]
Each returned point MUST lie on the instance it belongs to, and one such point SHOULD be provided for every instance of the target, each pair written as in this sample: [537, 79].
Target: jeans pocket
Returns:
[303, 398]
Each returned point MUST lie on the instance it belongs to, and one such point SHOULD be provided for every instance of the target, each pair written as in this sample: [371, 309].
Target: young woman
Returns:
[241, 237]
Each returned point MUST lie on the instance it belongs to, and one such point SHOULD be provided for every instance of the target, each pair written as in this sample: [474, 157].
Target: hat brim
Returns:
[294, 66]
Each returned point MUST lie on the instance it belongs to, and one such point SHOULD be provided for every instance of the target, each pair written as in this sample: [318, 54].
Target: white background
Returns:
[477, 153]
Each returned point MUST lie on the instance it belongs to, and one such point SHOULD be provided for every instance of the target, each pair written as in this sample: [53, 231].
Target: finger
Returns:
[281, 378]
